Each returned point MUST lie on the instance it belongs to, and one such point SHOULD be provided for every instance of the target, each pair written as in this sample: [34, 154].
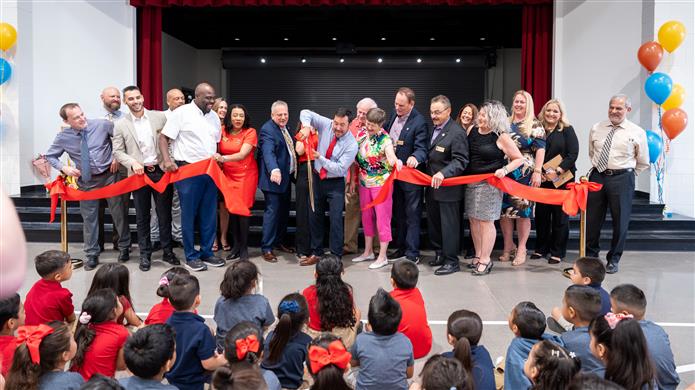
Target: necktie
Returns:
[290, 149]
[323, 173]
[602, 163]
[435, 134]
[84, 154]
[109, 117]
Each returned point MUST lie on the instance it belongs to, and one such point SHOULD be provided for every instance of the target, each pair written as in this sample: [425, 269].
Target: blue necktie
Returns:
[84, 153]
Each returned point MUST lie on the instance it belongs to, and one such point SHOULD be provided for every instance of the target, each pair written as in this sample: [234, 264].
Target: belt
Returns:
[150, 168]
[616, 172]
[181, 162]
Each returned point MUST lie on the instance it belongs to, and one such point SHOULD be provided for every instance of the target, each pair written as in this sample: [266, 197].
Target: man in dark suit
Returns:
[447, 157]
[277, 163]
[408, 130]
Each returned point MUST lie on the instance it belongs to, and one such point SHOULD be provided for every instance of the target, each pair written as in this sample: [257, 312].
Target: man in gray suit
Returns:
[135, 147]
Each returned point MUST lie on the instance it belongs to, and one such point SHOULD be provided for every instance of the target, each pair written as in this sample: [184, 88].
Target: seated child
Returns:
[117, 277]
[414, 325]
[286, 352]
[586, 271]
[195, 344]
[160, 313]
[149, 354]
[580, 305]
[527, 322]
[384, 355]
[243, 349]
[327, 362]
[442, 373]
[239, 302]
[249, 379]
[629, 299]
[11, 318]
[589, 381]
[48, 300]
[463, 331]
[44, 368]
[99, 338]
[550, 367]
[101, 382]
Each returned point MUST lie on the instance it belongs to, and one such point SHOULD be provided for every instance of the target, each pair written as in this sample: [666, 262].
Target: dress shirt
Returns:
[397, 126]
[99, 133]
[143, 132]
[438, 130]
[195, 135]
[628, 147]
[111, 116]
[345, 147]
[168, 113]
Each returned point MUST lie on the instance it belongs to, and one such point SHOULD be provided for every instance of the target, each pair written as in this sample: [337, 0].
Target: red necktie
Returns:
[323, 173]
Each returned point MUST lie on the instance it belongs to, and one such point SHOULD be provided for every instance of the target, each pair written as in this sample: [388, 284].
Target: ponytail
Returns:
[466, 327]
[226, 379]
[245, 340]
[293, 314]
[96, 309]
[328, 375]
[462, 353]
[167, 276]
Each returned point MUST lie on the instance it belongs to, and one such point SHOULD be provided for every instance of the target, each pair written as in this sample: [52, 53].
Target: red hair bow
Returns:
[32, 336]
[336, 354]
[249, 344]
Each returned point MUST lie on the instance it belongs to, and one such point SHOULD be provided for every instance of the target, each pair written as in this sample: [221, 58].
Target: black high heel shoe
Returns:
[485, 271]
[473, 264]
[536, 256]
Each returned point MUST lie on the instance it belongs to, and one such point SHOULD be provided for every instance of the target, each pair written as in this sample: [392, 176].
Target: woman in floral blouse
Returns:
[376, 159]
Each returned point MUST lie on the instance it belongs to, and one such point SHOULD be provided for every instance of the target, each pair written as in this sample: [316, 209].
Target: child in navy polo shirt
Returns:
[48, 300]
[149, 353]
[195, 344]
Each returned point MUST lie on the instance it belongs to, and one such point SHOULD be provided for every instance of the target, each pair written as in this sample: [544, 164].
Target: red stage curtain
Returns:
[537, 52]
[150, 56]
[243, 3]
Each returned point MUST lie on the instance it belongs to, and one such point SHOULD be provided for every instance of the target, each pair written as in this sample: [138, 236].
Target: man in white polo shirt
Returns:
[194, 131]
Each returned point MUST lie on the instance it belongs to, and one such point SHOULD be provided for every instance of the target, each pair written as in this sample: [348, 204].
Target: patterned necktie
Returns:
[435, 134]
[290, 149]
[324, 173]
[109, 117]
[602, 163]
[84, 154]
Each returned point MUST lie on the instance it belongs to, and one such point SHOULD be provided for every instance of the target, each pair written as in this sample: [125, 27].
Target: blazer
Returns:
[411, 142]
[273, 154]
[565, 144]
[448, 154]
[126, 148]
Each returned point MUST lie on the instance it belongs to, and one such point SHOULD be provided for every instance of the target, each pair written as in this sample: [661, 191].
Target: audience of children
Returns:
[443, 373]
[48, 300]
[414, 325]
[580, 305]
[238, 301]
[330, 302]
[225, 379]
[149, 354]
[327, 362]
[550, 366]
[243, 349]
[117, 277]
[160, 313]
[11, 318]
[463, 331]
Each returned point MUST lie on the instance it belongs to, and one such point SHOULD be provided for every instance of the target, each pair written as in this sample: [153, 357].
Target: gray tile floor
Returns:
[668, 280]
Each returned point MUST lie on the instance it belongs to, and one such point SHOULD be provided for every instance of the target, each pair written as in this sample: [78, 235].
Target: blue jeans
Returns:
[198, 196]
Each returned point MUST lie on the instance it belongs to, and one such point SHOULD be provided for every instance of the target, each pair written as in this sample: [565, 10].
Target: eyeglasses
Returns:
[438, 113]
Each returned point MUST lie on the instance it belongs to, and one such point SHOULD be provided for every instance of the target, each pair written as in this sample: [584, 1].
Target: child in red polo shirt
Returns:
[99, 338]
[11, 318]
[160, 313]
[48, 300]
[404, 275]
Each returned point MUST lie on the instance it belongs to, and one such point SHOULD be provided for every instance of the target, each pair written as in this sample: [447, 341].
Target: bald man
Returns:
[175, 99]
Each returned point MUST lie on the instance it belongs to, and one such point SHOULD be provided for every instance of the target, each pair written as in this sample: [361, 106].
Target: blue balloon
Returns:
[656, 145]
[5, 71]
[658, 87]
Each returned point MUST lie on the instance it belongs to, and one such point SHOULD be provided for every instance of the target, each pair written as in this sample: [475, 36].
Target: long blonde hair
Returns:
[528, 122]
[562, 123]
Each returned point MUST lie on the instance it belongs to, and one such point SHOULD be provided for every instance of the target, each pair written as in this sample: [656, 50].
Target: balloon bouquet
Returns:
[660, 88]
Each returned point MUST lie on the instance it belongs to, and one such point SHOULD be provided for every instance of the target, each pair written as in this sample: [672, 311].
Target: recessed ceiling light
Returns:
[285, 39]
[379, 60]
[342, 60]
[431, 38]
[482, 38]
[458, 60]
[236, 38]
[303, 60]
[383, 38]
[419, 60]
[262, 60]
[334, 38]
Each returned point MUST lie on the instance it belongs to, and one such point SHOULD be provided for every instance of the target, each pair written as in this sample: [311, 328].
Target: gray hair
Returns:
[376, 116]
[367, 102]
[496, 116]
[441, 99]
[622, 97]
[277, 104]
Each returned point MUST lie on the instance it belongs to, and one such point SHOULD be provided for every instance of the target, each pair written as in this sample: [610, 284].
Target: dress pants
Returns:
[331, 191]
[616, 195]
[239, 225]
[353, 216]
[90, 215]
[303, 210]
[407, 219]
[277, 211]
[175, 219]
[198, 196]
[552, 228]
[162, 202]
[443, 227]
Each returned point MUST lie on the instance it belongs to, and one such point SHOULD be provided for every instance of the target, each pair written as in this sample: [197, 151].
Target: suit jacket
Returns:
[126, 148]
[411, 142]
[448, 154]
[273, 154]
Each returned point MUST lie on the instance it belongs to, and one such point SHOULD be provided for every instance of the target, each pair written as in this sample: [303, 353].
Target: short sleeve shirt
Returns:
[371, 158]
[290, 368]
[7, 347]
[159, 313]
[194, 343]
[47, 301]
[195, 135]
[253, 308]
[102, 353]
[414, 321]
[60, 380]
[384, 361]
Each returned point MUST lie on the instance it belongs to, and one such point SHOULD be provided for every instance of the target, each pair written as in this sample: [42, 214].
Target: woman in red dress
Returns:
[235, 153]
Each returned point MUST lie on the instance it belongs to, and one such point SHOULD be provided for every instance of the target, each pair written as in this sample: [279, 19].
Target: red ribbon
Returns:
[572, 200]
[336, 354]
[32, 336]
[244, 346]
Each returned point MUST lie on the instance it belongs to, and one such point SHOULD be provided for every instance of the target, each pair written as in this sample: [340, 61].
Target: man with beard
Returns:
[194, 131]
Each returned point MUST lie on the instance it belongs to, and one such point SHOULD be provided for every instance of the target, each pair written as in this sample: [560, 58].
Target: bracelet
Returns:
[505, 170]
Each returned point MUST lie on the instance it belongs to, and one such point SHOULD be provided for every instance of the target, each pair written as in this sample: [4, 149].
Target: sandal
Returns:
[507, 255]
[519, 259]
[215, 247]
[536, 256]
[554, 260]
[226, 248]
[484, 271]
[473, 264]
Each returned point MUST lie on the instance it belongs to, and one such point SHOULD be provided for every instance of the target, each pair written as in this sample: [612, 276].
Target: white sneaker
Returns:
[362, 258]
[378, 264]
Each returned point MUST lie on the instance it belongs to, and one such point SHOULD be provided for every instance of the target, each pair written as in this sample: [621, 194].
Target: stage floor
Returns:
[668, 279]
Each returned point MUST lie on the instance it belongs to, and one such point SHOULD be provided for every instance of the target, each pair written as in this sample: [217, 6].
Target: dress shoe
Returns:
[437, 262]
[286, 249]
[612, 268]
[486, 270]
[270, 257]
[311, 260]
[234, 256]
[92, 262]
[395, 254]
[145, 264]
[447, 269]
[124, 255]
[214, 261]
[170, 257]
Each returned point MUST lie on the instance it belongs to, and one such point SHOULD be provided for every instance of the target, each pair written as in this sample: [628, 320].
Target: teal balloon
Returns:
[655, 144]
[658, 87]
[5, 71]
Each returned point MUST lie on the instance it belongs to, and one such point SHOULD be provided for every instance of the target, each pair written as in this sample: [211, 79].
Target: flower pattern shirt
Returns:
[371, 158]
[514, 206]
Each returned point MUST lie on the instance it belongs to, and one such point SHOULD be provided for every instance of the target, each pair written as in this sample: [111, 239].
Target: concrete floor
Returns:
[668, 280]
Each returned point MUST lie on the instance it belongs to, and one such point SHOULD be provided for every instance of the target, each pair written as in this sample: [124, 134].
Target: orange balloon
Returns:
[650, 55]
[674, 122]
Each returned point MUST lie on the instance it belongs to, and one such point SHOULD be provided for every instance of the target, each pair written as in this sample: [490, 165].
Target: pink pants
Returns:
[383, 214]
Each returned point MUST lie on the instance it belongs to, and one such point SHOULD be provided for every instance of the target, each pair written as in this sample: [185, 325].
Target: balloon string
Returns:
[660, 165]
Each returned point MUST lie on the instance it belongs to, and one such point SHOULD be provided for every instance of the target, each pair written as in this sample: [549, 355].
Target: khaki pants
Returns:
[353, 217]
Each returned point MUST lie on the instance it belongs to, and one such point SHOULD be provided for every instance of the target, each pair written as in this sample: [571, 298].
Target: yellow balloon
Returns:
[671, 35]
[675, 99]
[8, 36]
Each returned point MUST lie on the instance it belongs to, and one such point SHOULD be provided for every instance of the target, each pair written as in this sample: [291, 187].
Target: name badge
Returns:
[440, 149]
[399, 142]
